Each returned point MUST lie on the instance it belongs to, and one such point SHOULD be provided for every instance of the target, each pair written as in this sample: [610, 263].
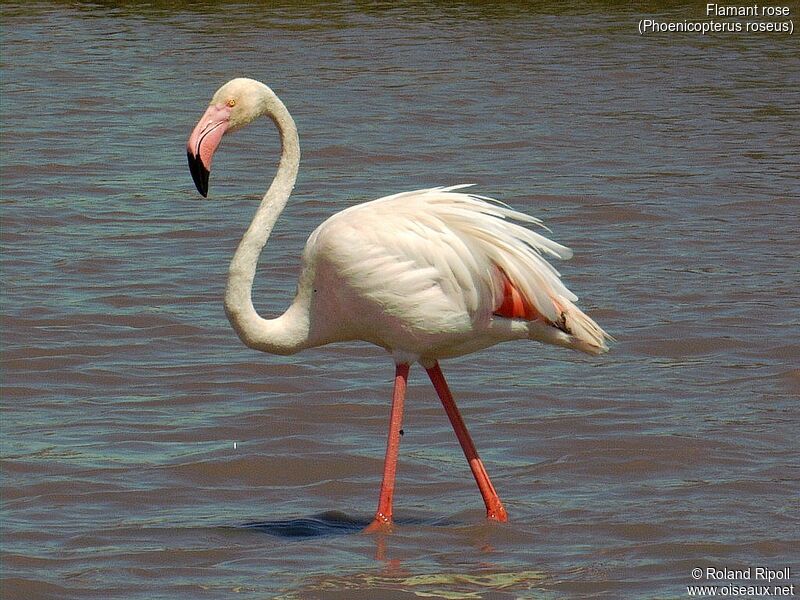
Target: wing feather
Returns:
[442, 254]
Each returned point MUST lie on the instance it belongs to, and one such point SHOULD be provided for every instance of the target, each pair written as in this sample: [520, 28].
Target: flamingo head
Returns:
[235, 104]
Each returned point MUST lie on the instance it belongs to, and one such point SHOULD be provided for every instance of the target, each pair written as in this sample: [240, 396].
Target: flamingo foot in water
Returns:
[383, 516]
[494, 508]
[380, 524]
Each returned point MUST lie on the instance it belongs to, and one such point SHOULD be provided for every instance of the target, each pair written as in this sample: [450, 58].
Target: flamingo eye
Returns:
[231, 103]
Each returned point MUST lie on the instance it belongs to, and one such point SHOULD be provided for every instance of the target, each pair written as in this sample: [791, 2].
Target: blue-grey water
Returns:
[147, 454]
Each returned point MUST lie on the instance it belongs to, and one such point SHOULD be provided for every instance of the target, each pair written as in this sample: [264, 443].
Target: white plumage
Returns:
[420, 274]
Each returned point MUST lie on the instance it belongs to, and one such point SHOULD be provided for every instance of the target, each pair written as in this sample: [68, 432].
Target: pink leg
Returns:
[494, 508]
[383, 516]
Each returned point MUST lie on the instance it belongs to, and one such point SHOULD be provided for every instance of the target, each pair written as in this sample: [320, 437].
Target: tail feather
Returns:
[586, 335]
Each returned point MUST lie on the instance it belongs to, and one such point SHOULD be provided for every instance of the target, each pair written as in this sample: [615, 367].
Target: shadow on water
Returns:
[325, 524]
[321, 525]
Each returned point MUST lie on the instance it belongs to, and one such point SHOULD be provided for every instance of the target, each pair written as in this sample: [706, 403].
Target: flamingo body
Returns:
[425, 275]
[428, 274]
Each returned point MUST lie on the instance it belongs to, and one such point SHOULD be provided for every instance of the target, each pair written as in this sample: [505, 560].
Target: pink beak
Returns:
[203, 142]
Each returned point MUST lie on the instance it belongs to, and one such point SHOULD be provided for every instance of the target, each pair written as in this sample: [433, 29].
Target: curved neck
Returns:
[287, 333]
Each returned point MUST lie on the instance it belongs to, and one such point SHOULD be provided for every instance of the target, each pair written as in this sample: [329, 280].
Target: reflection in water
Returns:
[403, 576]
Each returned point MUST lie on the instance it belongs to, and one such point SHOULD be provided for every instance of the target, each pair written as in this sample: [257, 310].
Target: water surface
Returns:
[148, 454]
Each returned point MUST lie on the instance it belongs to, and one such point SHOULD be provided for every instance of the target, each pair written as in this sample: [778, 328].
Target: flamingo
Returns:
[427, 275]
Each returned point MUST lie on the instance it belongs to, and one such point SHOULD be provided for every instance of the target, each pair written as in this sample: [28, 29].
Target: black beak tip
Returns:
[199, 173]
